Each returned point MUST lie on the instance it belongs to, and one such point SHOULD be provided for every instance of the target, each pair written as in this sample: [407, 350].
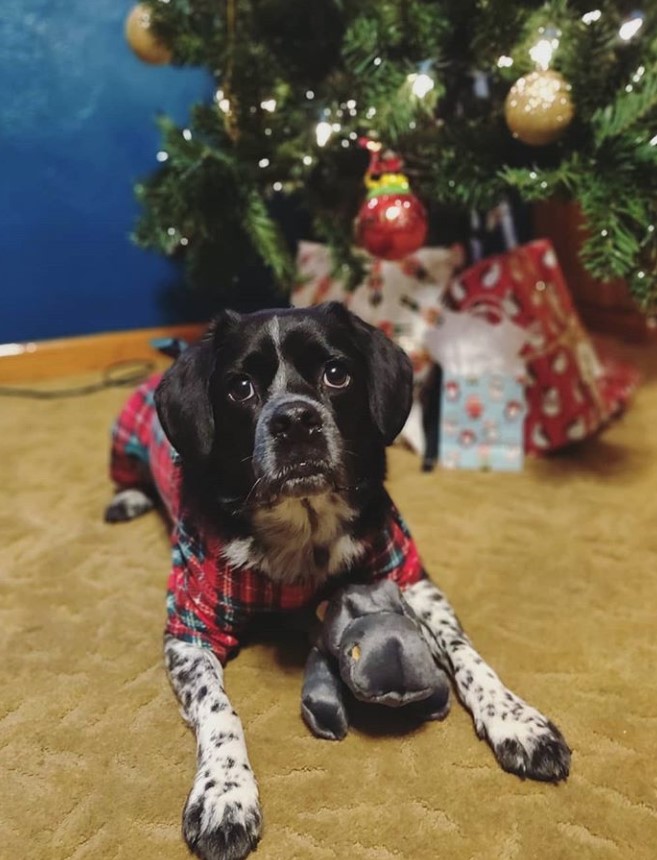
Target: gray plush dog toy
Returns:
[370, 642]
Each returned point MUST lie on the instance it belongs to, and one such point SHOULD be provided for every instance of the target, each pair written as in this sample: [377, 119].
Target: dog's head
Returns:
[288, 403]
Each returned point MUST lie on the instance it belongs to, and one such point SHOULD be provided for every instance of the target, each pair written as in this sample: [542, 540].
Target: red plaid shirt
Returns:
[210, 601]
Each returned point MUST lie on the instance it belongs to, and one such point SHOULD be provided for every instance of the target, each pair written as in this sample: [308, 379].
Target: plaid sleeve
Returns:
[196, 611]
[393, 554]
[210, 602]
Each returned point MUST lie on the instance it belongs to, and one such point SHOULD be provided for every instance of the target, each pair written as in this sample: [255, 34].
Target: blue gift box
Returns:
[482, 421]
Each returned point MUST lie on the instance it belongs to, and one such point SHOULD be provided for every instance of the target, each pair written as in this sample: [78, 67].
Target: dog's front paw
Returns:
[526, 743]
[126, 505]
[222, 821]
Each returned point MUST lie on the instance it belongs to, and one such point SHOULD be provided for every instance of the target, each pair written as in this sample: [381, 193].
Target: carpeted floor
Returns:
[553, 572]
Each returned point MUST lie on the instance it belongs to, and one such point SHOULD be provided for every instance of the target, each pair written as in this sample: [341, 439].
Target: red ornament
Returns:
[392, 223]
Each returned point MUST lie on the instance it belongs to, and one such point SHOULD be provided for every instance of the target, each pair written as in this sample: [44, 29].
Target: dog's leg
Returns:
[222, 818]
[128, 504]
[523, 740]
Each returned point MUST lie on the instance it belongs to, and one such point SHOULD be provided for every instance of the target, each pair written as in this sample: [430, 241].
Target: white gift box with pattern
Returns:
[483, 404]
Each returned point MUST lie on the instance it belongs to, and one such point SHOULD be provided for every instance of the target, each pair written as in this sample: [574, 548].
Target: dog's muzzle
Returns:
[297, 450]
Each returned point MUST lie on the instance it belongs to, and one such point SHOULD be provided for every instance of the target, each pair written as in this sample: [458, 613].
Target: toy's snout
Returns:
[383, 660]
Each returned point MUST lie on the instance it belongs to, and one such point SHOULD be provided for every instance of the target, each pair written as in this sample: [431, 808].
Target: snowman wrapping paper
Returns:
[403, 298]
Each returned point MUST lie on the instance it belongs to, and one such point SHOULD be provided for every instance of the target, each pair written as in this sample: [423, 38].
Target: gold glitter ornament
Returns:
[538, 108]
[141, 38]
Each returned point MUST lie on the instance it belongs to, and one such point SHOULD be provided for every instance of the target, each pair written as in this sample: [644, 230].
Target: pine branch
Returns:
[535, 184]
[349, 264]
[628, 109]
[268, 240]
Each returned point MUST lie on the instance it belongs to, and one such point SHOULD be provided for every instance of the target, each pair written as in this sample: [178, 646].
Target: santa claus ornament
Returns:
[392, 223]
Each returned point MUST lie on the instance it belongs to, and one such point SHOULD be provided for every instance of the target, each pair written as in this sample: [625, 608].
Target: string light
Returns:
[268, 105]
[184, 241]
[504, 62]
[592, 16]
[264, 162]
[323, 132]
[222, 101]
[421, 84]
[307, 160]
[631, 27]
[310, 95]
[186, 133]
[541, 53]
[277, 186]
[162, 155]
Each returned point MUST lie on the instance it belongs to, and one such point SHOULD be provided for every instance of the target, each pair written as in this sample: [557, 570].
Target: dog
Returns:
[265, 442]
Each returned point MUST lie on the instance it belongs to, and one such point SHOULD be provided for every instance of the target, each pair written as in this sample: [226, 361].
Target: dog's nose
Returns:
[295, 421]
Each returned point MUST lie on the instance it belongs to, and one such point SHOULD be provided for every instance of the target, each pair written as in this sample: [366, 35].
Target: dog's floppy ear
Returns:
[390, 382]
[182, 398]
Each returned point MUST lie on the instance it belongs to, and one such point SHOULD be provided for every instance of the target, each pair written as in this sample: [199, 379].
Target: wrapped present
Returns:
[403, 297]
[572, 391]
[483, 403]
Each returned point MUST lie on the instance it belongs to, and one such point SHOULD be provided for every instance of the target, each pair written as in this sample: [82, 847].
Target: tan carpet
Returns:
[553, 571]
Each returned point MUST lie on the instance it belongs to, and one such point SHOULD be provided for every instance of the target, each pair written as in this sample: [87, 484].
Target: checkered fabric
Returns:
[210, 602]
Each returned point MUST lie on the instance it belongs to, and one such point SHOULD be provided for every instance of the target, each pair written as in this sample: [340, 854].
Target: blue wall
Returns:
[77, 128]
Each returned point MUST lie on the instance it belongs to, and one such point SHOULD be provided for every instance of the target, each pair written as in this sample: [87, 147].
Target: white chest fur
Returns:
[298, 540]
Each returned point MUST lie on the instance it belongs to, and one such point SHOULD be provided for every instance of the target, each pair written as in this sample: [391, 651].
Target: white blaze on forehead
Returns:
[279, 382]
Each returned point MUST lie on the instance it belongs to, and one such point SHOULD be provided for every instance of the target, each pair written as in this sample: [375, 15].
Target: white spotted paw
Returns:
[222, 819]
[527, 743]
[126, 505]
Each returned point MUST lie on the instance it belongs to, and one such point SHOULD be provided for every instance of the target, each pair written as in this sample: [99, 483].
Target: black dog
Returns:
[280, 422]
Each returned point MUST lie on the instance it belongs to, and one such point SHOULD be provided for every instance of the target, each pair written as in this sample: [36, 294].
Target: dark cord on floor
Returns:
[121, 374]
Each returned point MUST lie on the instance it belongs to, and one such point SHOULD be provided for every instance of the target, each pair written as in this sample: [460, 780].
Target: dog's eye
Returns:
[335, 375]
[241, 389]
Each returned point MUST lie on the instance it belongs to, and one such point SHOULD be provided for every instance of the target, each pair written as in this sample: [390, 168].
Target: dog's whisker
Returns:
[251, 491]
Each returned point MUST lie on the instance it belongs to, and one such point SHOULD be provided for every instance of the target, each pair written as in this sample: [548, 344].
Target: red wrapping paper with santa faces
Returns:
[572, 391]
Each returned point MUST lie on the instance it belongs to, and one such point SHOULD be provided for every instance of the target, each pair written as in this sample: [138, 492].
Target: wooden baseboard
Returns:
[49, 359]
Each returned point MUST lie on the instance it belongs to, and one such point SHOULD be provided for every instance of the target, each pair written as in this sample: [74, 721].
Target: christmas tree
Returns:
[481, 98]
